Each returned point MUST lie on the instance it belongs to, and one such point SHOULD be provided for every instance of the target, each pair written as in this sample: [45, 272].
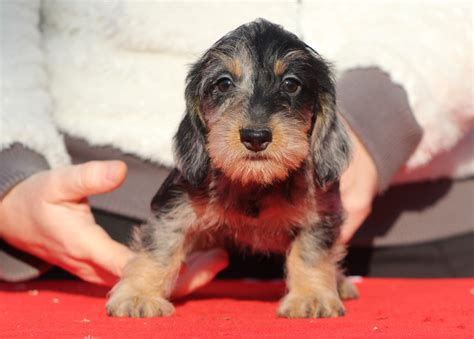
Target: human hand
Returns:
[358, 186]
[48, 216]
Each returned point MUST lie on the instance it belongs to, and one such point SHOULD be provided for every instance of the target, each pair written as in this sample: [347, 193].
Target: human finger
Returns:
[74, 183]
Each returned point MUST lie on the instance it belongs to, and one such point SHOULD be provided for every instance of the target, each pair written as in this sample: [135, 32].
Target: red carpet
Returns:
[387, 307]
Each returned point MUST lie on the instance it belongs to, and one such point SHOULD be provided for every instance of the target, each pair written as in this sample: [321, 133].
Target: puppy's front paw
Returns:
[297, 306]
[121, 304]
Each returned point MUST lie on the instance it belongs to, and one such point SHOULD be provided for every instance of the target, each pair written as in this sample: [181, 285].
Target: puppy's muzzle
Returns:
[256, 139]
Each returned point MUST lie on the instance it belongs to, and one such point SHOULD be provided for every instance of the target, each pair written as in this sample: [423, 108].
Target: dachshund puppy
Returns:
[258, 153]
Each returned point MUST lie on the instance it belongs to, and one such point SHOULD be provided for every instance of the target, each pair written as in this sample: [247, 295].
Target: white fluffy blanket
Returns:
[116, 69]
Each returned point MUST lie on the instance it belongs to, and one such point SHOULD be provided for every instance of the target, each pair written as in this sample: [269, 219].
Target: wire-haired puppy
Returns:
[259, 153]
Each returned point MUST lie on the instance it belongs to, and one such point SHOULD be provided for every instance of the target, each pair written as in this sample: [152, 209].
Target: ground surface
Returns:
[387, 307]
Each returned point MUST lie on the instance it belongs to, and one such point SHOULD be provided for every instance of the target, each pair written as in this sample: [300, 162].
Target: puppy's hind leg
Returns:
[346, 288]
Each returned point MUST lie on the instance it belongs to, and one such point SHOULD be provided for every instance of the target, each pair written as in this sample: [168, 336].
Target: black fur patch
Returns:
[170, 191]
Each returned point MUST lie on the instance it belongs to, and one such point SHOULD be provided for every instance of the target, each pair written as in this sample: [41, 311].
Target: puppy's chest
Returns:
[265, 219]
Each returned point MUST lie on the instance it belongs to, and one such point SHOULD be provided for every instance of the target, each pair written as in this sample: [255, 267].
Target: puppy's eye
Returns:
[224, 84]
[290, 85]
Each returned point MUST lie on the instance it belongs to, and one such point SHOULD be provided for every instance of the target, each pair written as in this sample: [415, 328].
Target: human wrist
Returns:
[18, 163]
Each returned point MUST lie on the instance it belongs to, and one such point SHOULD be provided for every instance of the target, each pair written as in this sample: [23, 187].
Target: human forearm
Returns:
[384, 134]
[378, 112]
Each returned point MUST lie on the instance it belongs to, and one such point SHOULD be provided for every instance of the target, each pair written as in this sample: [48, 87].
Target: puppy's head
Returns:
[260, 104]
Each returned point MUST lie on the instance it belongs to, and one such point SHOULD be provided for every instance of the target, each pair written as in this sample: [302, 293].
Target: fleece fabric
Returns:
[87, 64]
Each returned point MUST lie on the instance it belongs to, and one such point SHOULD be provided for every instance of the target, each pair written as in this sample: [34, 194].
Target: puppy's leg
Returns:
[149, 278]
[312, 276]
[144, 287]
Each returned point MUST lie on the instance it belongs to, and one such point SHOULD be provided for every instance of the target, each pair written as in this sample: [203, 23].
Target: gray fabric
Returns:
[379, 113]
[447, 257]
[419, 212]
[17, 265]
[16, 164]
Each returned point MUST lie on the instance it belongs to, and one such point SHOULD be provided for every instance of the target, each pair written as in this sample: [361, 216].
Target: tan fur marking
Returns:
[235, 67]
[279, 67]
[322, 120]
[296, 55]
[319, 125]
[197, 109]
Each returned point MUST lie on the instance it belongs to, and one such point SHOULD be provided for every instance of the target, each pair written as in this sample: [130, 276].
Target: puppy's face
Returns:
[258, 100]
[258, 108]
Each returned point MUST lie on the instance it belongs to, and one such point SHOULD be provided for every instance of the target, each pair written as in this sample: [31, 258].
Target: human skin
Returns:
[48, 215]
[358, 185]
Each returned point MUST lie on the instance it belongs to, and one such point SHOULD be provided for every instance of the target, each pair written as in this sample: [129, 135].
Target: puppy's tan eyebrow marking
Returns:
[235, 67]
[295, 54]
[279, 67]
[282, 64]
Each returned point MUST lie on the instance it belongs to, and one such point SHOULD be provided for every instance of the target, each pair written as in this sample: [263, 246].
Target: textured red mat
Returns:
[387, 307]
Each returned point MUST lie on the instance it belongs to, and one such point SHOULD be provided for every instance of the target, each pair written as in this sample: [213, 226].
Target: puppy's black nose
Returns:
[256, 139]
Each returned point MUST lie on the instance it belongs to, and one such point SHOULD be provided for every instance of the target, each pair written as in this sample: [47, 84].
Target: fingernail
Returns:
[114, 169]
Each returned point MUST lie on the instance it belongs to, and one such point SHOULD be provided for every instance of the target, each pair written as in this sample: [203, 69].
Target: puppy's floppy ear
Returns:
[190, 150]
[330, 143]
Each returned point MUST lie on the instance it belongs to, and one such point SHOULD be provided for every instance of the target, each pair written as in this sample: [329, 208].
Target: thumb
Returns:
[353, 222]
[74, 183]
[201, 268]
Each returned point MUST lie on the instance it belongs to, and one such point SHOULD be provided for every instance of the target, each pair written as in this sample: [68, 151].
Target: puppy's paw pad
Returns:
[139, 307]
[347, 290]
[310, 307]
